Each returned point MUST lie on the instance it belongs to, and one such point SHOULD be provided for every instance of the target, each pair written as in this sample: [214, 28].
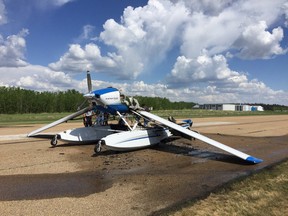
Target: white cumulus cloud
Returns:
[256, 42]
[78, 59]
[145, 35]
[37, 77]
[200, 34]
[219, 81]
[3, 13]
[12, 50]
[201, 69]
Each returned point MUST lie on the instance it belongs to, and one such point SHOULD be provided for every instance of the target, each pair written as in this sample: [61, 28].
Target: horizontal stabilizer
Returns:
[201, 137]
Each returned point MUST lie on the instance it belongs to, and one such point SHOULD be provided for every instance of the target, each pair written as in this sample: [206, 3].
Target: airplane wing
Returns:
[66, 118]
[43, 136]
[205, 139]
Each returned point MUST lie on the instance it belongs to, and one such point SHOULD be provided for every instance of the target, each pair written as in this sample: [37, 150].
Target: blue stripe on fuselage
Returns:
[112, 109]
[104, 91]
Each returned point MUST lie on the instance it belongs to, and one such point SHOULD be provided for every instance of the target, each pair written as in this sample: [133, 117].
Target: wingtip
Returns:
[29, 135]
[254, 160]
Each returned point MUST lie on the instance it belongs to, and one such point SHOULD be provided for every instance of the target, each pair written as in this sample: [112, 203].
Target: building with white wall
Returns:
[231, 107]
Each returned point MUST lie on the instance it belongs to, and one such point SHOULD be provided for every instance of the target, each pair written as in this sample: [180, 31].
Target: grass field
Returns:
[264, 193]
[198, 113]
[30, 118]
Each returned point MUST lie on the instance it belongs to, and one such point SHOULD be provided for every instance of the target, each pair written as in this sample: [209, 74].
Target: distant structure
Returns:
[229, 107]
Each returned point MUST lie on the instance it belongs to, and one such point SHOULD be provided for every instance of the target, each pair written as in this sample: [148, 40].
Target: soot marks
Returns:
[47, 186]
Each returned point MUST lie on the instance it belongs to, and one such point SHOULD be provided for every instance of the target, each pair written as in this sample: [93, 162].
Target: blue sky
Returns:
[187, 50]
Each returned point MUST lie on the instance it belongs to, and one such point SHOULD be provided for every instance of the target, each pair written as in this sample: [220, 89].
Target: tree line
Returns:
[158, 103]
[17, 100]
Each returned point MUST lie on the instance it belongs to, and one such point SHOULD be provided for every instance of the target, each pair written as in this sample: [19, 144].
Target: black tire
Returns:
[54, 142]
[97, 149]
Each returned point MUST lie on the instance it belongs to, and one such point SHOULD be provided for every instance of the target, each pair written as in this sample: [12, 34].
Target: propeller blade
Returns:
[64, 119]
[89, 82]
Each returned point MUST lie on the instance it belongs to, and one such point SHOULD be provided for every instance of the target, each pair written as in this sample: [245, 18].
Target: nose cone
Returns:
[89, 95]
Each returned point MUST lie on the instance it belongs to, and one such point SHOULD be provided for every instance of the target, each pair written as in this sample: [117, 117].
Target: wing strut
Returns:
[66, 118]
[123, 119]
[202, 138]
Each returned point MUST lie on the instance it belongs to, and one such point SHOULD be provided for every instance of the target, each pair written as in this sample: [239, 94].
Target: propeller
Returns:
[89, 83]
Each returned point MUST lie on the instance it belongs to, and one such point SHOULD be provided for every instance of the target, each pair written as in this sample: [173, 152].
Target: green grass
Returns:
[264, 193]
[190, 113]
[14, 119]
[29, 118]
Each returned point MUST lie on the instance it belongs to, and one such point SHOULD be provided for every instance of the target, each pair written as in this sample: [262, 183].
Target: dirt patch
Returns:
[70, 180]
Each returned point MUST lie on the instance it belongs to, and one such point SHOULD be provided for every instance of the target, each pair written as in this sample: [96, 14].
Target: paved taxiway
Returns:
[69, 180]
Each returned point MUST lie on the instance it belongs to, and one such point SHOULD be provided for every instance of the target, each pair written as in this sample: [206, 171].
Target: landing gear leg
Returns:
[54, 141]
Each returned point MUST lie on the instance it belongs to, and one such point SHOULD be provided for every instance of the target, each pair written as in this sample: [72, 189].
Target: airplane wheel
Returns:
[54, 141]
[97, 148]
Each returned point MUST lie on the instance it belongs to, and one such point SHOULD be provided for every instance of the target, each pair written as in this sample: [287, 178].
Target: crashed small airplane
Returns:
[123, 136]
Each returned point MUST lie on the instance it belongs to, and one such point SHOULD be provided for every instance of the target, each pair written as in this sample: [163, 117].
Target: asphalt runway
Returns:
[36, 179]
